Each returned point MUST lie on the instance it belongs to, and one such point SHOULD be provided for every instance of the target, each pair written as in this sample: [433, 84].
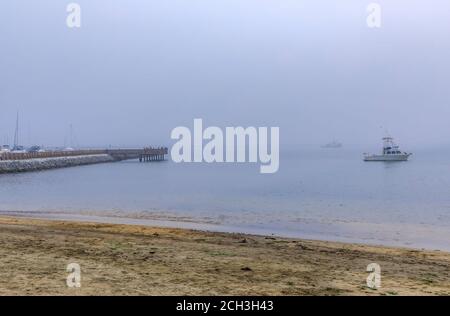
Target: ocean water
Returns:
[327, 194]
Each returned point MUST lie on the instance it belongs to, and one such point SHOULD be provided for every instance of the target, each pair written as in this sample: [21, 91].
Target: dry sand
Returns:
[137, 260]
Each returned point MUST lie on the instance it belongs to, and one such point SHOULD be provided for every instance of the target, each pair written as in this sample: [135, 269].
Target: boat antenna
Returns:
[386, 132]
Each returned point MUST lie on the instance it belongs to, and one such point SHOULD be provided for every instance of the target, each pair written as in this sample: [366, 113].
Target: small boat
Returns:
[391, 152]
[35, 149]
[333, 144]
[18, 149]
[5, 149]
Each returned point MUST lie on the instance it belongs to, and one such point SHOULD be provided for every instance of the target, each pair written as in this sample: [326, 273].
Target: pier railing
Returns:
[145, 154]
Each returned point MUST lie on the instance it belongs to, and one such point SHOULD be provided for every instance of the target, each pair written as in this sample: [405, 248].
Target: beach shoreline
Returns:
[406, 235]
[117, 259]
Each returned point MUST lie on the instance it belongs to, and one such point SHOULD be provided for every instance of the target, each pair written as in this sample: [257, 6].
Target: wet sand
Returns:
[139, 260]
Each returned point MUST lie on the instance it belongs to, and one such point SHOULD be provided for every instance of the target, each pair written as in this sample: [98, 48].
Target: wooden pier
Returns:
[144, 155]
[153, 154]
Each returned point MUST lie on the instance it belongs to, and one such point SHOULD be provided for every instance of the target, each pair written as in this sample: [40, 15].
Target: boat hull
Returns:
[402, 157]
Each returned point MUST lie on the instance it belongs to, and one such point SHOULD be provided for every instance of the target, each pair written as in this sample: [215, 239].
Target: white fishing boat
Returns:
[391, 152]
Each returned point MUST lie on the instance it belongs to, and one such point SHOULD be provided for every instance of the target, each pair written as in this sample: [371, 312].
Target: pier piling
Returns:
[153, 154]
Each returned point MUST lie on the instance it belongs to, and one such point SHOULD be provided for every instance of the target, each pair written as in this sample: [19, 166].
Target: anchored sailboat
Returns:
[17, 148]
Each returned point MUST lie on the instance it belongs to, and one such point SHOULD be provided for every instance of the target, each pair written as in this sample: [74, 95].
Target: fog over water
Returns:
[137, 69]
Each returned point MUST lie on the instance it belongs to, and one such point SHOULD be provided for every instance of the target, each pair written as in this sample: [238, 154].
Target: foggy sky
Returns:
[136, 69]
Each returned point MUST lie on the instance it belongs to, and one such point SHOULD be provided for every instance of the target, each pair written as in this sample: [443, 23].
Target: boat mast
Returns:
[71, 136]
[16, 133]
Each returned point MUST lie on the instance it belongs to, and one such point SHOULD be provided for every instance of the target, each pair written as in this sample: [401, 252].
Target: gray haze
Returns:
[137, 69]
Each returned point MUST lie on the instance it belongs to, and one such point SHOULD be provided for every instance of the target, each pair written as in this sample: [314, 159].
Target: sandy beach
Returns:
[139, 260]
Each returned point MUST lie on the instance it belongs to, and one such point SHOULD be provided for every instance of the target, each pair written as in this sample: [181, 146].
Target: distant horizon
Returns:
[7, 139]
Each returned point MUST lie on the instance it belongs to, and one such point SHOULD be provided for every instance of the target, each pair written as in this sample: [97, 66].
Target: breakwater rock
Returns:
[9, 166]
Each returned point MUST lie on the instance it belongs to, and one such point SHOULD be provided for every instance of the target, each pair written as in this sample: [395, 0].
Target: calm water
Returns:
[326, 194]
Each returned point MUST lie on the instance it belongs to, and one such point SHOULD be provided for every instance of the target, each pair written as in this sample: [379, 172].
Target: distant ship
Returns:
[391, 152]
[333, 144]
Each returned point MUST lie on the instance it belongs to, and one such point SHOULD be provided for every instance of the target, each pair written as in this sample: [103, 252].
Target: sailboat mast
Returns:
[16, 133]
[71, 136]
